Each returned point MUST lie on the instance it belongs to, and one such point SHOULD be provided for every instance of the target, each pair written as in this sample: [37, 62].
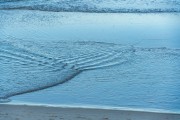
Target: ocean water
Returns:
[142, 6]
[117, 53]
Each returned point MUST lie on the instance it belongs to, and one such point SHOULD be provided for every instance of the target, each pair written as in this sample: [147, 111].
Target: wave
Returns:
[93, 6]
[3, 1]
[24, 70]
[32, 66]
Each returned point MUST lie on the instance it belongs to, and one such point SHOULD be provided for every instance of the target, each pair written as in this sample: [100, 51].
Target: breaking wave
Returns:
[97, 6]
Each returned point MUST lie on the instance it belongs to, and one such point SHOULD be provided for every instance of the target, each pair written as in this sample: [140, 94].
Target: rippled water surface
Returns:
[26, 71]
[110, 58]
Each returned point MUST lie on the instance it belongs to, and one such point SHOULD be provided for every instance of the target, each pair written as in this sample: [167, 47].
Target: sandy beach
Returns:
[45, 112]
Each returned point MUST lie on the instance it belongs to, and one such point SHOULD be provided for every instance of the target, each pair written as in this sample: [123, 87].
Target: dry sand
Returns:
[44, 112]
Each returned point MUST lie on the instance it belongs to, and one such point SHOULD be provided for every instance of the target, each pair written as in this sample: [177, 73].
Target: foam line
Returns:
[94, 6]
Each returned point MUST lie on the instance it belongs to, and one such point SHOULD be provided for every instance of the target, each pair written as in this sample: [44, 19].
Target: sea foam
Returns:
[99, 6]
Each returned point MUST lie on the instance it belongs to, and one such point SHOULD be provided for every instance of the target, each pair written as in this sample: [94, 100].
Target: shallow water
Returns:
[150, 79]
[24, 70]
[145, 30]
[122, 60]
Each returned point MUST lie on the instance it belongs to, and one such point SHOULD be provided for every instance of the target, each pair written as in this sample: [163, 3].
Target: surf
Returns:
[25, 71]
[94, 6]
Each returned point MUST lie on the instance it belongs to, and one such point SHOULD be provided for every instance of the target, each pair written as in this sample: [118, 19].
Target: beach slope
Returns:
[44, 112]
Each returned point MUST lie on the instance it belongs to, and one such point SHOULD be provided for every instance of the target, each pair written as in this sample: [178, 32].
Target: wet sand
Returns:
[44, 112]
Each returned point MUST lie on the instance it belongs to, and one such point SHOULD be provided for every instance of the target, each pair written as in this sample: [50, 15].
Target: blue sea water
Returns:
[102, 6]
[114, 52]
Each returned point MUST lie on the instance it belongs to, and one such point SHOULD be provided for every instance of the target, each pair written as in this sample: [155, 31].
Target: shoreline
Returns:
[159, 30]
[26, 111]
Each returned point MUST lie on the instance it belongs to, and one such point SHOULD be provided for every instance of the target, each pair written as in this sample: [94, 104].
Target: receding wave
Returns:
[28, 67]
[24, 70]
[97, 6]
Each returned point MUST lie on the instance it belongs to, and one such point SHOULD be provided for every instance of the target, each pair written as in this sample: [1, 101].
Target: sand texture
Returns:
[39, 112]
